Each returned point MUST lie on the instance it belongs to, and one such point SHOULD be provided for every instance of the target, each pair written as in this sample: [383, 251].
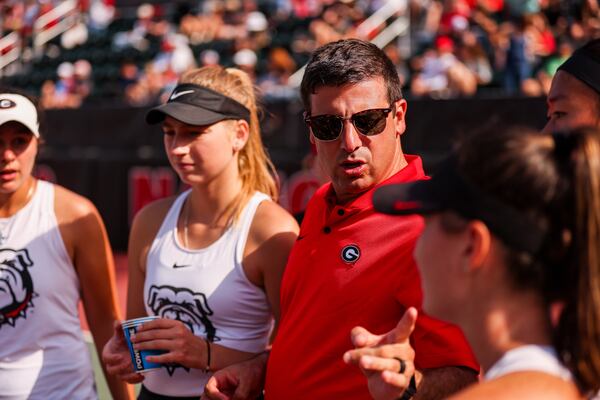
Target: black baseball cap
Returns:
[198, 105]
[585, 65]
[449, 190]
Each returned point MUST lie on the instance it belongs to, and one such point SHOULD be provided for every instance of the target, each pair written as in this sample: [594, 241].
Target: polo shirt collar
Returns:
[411, 172]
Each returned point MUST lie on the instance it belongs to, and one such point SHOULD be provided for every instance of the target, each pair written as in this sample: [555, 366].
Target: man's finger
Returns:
[370, 363]
[403, 351]
[405, 327]
[353, 356]
[212, 392]
[361, 337]
[396, 379]
[241, 393]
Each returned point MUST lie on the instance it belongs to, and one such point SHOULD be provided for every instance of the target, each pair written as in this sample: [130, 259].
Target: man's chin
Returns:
[347, 189]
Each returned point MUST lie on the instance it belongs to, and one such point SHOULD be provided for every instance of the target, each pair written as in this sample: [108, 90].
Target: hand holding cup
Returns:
[117, 359]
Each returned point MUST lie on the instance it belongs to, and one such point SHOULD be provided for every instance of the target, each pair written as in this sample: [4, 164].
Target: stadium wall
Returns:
[111, 156]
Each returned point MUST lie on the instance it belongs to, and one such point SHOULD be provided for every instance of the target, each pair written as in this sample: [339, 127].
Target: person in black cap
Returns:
[209, 261]
[574, 97]
[510, 252]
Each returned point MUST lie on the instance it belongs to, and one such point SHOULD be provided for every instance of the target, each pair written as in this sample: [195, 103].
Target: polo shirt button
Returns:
[341, 212]
[327, 229]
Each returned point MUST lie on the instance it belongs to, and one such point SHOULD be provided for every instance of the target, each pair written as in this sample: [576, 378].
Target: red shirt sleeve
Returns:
[440, 344]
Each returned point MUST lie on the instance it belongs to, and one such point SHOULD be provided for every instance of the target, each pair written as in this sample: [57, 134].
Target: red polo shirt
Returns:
[351, 266]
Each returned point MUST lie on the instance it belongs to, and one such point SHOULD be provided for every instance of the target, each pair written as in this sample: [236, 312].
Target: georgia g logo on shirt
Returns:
[350, 254]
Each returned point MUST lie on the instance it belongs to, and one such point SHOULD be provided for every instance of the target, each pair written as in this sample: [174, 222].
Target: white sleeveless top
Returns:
[529, 358]
[42, 351]
[208, 290]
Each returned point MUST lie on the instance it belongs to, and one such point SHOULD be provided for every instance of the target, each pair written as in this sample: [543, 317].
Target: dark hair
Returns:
[41, 116]
[349, 61]
[555, 181]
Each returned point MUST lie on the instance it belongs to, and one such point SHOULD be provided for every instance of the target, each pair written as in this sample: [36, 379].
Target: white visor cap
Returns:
[14, 107]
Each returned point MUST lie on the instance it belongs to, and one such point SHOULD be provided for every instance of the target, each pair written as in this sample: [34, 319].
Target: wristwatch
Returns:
[410, 391]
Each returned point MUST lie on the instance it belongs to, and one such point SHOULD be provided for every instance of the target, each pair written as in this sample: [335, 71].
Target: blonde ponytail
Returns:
[256, 170]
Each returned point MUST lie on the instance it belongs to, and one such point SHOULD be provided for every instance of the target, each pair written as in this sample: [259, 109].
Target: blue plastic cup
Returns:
[138, 357]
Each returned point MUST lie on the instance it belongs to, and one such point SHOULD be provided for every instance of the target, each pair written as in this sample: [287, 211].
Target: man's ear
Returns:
[400, 116]
[310, 135]
[242, 133]
[479, 243]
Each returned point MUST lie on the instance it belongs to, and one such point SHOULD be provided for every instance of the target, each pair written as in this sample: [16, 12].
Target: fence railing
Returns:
[399, 27]
[56, 21]
[46, 27]
[10, 49]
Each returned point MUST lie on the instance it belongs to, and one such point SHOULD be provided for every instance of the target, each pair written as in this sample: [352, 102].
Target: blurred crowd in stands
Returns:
[133, 55]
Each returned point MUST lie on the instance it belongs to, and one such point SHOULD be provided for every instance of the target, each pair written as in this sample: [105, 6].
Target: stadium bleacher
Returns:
[453, 48]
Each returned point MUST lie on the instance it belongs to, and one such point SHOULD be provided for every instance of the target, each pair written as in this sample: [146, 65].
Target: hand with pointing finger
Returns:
[386, 360]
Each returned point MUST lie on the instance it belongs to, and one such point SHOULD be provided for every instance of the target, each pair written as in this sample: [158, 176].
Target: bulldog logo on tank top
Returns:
[186, 306]
[16, 286]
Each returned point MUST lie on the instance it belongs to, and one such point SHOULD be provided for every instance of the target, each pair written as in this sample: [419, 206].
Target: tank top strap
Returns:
[43, 199]
[244, 223]
[170, 221]
[43, 209]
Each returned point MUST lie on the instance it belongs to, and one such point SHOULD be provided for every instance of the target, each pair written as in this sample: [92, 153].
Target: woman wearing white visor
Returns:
[54, 252]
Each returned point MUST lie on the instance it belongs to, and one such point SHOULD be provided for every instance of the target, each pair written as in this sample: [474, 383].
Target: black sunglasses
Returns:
[329, 127]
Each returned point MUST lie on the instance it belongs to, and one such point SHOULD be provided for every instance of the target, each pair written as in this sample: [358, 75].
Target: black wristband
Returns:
[410, 391]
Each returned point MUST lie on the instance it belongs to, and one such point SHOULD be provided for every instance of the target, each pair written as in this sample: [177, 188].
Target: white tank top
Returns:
[529, 358]
[42, 351]
[208, 290]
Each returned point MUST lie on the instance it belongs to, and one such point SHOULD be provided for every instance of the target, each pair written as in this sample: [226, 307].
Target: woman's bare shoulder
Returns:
[71, 206]
[148, 219]
[157, 210]
[522, 385]
[271, 219]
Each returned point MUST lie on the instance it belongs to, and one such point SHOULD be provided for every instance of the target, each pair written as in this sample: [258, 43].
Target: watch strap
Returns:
[410, 391]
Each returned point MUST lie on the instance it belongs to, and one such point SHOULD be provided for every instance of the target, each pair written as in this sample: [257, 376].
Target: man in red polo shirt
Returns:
[350, 265]
[573, 101]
